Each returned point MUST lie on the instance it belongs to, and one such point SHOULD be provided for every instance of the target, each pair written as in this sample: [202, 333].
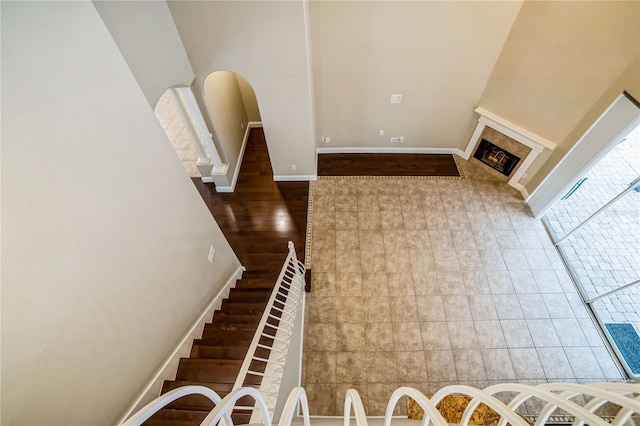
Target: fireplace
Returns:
[495, 157]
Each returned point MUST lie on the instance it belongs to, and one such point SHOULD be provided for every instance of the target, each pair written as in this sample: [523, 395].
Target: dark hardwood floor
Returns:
[387, 165]
[261, 215]
[258, 220]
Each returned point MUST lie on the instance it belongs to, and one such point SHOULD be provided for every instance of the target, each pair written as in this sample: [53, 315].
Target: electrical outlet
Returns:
[393, 140]
[381, 132]
[293, 167]
[323, 139]
[242, 126]
[401, 139]
[212, 252]
[327, 139]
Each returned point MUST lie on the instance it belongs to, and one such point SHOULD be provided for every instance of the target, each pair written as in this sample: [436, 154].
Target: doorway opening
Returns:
[595, 226]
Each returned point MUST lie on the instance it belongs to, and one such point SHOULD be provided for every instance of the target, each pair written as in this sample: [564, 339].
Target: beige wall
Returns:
[438, 55]
[264, 42]
[226, 112]
[104, 237]
[147, 38]
[249, 99]
[562, 65]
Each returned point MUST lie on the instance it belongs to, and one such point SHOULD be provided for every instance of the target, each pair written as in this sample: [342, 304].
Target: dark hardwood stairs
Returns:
[258, 220]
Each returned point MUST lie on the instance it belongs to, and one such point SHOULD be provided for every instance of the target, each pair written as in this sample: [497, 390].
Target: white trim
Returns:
[387, 150]
[620, 118]
[207, 179]
[168, 369]
[236, 172]
[294, 178]
[522, 135]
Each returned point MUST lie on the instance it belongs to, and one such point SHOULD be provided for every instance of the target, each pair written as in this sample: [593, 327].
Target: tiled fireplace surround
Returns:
[427, 282]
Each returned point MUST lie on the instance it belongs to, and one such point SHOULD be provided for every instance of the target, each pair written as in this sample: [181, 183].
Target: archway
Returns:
[233, 110]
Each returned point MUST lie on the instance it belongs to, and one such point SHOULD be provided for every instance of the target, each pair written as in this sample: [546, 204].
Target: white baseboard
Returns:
[207, 179]
[168, 369]
[294, 178]
[254, 124]
[388, 150]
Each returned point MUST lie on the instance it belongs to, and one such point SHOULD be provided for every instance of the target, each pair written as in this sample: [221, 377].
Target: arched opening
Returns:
[233, 110]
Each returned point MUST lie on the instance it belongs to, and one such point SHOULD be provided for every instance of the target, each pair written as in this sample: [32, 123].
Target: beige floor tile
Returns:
[320, 337]
[497, 363]
[500, 282]
[411, 366]
[469, 365]
[350, 309]
[350, 337]
[369, 221]
[482, 307]
[490, 334]
[345, 203]
[543, 333]
[349, 284]
[407, 336]
[463, 335]
[555, 363]
[321, 367]
[351, 367]
[323, 221]
[430, 308]
[516, 334]
[526, 363]
[456, 307]
[367, 203]
[347, 240]
[403, 308]
[381, 367]
[321, 309]
[440, 366]
[391, 220]
[435, 335]
[379, 336]
[468, 259]
[347, 221]
[377, 309]
[323, 284]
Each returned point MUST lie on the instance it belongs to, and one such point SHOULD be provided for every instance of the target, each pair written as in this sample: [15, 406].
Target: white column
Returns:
[474, 138]
[219, 167]
[203, 158]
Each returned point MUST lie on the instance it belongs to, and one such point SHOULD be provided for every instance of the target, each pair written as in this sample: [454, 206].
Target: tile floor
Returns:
[428, 282]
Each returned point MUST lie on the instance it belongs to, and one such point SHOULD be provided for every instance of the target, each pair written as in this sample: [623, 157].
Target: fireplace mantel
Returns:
[536, 142]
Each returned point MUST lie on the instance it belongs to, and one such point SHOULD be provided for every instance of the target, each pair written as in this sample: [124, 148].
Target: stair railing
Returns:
[276, 326]
[163, 400]
[624, 397]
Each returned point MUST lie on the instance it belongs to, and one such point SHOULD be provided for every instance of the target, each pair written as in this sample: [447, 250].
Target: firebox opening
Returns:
[496, 157]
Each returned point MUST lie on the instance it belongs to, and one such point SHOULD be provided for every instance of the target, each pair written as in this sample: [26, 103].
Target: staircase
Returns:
[216, 358]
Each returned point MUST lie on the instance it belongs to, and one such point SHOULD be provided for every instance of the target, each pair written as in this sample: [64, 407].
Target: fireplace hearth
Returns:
[495, 157]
